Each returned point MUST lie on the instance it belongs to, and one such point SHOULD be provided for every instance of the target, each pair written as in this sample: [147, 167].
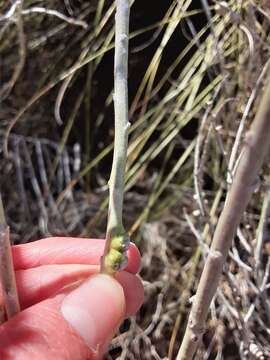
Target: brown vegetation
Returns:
[197, 74]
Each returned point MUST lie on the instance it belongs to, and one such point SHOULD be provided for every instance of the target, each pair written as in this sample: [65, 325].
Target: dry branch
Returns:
[254, 151]
[7, 274]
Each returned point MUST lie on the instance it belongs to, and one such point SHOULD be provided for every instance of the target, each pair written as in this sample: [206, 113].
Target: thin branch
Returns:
[7, 88]
[7, 274]
[116, 240]
[240, 130]
[68, 19]
[200, 160]
[255, 149]
[262, 232]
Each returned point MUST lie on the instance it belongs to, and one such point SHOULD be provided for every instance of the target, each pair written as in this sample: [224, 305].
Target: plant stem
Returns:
[7, 274]
[117, 179]
[255, 148]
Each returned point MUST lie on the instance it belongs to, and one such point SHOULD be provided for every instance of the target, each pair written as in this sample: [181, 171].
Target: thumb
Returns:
[95, 310]
[67, 327]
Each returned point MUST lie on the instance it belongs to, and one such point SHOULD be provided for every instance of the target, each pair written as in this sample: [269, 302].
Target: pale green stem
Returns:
[117, 178]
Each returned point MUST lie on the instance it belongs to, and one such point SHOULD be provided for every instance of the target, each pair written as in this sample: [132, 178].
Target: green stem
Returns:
[116, 239]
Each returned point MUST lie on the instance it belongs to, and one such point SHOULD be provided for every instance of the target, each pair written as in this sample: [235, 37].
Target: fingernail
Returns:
[95, 309]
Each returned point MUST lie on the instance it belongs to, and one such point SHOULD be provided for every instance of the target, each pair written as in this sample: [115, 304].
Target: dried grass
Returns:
[189, 116]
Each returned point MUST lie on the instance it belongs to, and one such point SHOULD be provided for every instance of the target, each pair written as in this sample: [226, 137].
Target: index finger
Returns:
[67, 250]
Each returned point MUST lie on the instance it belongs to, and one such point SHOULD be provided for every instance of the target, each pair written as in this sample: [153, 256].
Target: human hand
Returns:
[69, 311]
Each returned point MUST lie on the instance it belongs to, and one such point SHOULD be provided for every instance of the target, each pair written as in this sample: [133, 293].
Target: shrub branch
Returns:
[7, 274]
[255, 148]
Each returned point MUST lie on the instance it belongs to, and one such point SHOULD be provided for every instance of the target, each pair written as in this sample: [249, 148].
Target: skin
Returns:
[53, 273]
